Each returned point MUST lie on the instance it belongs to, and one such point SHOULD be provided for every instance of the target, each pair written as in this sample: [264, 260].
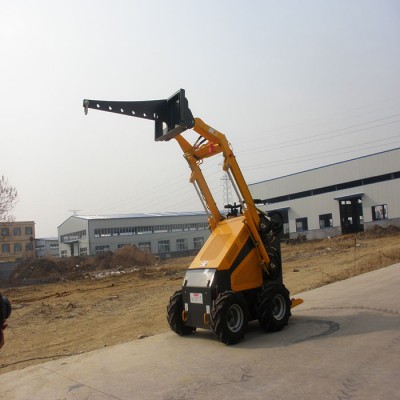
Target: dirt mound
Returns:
[393, 230]
[377, 231]
[46, 270]
[129, 256]
[36, 270]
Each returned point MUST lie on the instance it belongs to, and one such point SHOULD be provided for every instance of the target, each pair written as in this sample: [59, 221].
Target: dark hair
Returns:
[5, 309]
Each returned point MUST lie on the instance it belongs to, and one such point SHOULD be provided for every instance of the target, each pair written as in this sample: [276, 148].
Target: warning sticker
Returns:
[196, 298]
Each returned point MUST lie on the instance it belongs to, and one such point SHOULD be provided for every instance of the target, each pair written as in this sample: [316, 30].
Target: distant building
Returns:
[162, 234]
[46, 247]
[346, 197]
[17, 240]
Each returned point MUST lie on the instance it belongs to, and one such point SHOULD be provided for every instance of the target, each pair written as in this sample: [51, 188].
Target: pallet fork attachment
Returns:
[172, 116]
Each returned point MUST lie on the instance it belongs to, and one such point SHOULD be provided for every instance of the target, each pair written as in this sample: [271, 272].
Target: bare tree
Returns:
[8, 199]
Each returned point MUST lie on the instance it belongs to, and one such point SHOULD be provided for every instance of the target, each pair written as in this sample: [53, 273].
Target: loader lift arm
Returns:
[172, 118]
[236, 276]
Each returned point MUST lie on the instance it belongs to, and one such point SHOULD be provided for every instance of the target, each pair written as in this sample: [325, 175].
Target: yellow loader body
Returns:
[229, 248]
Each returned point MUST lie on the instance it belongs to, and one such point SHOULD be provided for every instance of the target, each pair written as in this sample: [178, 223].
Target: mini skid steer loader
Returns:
[237, 275]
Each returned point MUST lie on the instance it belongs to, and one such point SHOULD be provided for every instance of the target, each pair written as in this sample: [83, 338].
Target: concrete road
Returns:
[342, 343]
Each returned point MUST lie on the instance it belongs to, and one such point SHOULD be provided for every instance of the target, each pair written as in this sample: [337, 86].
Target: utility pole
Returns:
[227, 190]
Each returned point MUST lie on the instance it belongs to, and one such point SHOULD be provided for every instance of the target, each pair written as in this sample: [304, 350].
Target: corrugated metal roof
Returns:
[142, 215]
[324, 166]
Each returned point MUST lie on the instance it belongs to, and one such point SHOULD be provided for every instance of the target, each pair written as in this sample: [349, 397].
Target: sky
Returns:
[294, 85]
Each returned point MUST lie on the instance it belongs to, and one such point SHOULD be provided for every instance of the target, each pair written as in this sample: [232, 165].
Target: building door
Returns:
[72, 247]
[285, 218]
[351, 215]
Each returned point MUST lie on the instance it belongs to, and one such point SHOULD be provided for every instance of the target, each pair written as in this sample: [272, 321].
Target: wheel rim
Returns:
[278, 307]
[234, 318]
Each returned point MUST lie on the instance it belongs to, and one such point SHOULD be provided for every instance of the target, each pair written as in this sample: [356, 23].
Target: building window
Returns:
[160, 229]
[5, 231]
[63, 253]
[28, 230]
[5, 248]
[301, 224]
[177, 228]
[17, 247]
[102, 249]
[145, 247]
[379, 212]
[163, 246]
[104, 232]
[142, 230]
[29, 247]
[126, 231]
[181, 244]
[325, 221]
[17, 231]
[198, 226]
[83, 251]
[198, 242]
[147, 230]
[73, 236]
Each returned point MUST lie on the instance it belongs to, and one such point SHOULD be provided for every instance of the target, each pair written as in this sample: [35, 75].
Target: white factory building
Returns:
[162, 234]
[345, 197]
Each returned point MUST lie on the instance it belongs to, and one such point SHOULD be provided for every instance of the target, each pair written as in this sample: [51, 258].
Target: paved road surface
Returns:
[343, 343]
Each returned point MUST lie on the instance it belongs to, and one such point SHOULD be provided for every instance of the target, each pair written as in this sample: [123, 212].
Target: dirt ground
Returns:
[55, 320]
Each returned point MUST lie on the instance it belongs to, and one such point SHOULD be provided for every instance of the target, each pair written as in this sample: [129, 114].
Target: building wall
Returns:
[313, 206]
[372, 165]
[73, 237]
[17, 240]
[332, 179]
[47, 247]
[161, 234]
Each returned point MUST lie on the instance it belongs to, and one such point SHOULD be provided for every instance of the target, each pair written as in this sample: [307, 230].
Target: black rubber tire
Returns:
[174, 315]
[273, 307]
[229, 317]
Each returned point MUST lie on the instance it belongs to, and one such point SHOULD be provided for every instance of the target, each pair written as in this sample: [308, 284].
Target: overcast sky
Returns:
[293, 84]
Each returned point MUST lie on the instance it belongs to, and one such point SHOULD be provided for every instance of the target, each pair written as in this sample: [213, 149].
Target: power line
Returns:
[152, 197]
[311, 123]
[311, 138]
[320, 154]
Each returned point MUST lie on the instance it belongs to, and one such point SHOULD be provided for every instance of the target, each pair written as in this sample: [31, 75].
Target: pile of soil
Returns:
[48, 270]
[377, 231]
